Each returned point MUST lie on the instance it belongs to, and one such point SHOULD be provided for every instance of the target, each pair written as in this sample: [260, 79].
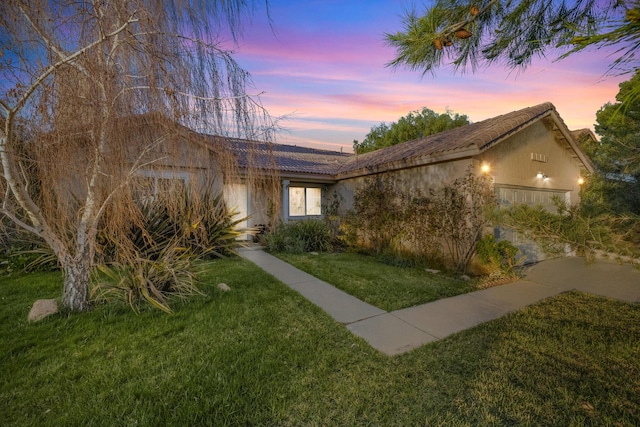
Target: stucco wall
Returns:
[514, 165]
[511, 163]
[421, 178]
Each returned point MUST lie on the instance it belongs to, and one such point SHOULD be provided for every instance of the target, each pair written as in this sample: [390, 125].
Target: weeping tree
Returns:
[72, 75]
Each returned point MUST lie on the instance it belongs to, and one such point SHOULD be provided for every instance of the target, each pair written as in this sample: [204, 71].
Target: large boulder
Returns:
[42, 308]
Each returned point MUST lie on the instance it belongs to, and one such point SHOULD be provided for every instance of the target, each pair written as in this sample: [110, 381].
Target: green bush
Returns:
[196, 220]
[499, 256]
[300, 237]
[444, 224]
[379, 214]
[22, 251]
[173, 273]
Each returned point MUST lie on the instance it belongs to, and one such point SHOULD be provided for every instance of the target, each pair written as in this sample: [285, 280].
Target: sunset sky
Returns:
[323, 63]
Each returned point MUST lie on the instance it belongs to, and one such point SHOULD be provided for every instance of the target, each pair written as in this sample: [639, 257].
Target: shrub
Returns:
[460, 213]
[499, 256]
[389, 217]
[377, 220]
[157, 257]
[333, 219]
[299, 237]
[199, 219]
[23, 251]
[172, 273]
[282, 239]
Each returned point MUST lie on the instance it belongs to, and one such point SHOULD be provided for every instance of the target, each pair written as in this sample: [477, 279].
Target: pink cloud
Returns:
[335, 82]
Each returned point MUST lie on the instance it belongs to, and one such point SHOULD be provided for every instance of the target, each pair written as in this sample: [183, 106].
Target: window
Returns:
[148, 184]
[305, 201]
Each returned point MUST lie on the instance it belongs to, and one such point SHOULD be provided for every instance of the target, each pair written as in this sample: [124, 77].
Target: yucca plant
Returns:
[149, 264]
[172, 273]
[158, 256]
[206, 224]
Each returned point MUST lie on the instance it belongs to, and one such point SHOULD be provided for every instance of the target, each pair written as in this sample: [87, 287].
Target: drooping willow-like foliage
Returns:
[95, 93]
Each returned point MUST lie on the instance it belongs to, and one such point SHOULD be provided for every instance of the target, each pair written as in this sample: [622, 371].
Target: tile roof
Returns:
[286, 158]
[582, 133]
[474, 138]
[460, 142]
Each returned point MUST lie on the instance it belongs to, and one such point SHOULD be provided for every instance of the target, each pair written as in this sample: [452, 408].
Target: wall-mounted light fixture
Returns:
[541, 175]
[580, 181]
[485, 168]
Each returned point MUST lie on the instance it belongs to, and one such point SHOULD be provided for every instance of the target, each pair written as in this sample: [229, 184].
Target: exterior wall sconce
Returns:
[542, 176]
[580, 181]
[485, 168]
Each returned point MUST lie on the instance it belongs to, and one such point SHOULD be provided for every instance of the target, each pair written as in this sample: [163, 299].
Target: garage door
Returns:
[530, 196]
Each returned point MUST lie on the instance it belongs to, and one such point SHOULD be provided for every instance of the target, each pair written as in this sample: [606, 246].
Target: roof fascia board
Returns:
[588, 164]
[299, 177]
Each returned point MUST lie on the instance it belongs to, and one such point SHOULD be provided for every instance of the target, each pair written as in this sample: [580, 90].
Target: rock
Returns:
[430, 270]
[465, 278]
[224, 287]
[314, 253]
[42, 308]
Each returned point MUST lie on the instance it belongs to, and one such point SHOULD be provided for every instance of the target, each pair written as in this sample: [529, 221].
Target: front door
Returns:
[236, 197]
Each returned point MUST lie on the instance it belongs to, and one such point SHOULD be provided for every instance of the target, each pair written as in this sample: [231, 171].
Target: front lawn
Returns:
[262, 355]
[384, 286]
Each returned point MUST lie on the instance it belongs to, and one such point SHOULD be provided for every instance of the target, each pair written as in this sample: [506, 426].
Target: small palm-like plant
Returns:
[205, 223]
[158, 256]
[137, 278]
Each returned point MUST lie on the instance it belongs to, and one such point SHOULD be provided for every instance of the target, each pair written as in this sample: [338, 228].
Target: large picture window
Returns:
[305, 201]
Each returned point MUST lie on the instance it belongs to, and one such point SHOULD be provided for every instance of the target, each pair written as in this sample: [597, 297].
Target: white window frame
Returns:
[305, 200]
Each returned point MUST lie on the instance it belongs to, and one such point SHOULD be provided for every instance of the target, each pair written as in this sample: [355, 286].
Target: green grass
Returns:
[384, 286]
[262, 355]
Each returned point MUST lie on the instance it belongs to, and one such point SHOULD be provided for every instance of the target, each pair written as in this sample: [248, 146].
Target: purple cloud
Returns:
[326, 64]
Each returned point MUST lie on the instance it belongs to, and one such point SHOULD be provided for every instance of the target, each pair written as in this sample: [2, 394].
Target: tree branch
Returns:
[4, 106]
[135, 167]
[19, 222]
[458, 26]
[189, 95]
[64, 59]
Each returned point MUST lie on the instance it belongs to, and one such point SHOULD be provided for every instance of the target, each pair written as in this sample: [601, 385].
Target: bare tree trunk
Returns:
[77, 273]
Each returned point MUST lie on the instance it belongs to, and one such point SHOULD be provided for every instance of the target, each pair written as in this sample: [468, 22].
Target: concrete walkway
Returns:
[399, 331]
